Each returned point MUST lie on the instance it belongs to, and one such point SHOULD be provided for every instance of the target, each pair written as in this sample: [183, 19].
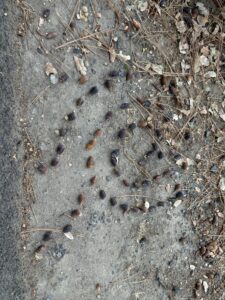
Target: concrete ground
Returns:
[114, 254]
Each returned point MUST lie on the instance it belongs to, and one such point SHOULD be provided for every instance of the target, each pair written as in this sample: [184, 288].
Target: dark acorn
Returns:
[128, 75]
[180, 194]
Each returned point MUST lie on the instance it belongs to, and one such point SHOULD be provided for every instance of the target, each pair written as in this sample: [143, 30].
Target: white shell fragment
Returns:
[69, 235]
[80, 65]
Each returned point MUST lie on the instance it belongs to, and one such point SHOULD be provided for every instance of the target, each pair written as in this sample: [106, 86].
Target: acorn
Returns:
[128, 75]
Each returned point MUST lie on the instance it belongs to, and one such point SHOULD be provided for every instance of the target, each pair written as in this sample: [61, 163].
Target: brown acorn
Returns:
[90, 162]
[91, 144]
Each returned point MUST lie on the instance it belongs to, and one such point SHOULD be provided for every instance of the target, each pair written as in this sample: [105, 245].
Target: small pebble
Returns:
[42, 168]
[160, 155]
[98, 133]
[71, 116]
[147, 103]
[61, 131]
[108, 84]
[90, 162]
[93, 90]
[67, 228]
[79, 102]
[93, 180]
[132, 126]
[102, 194]
[60, 148]
[63, 77]
[47, 236]
[108, 115]
[114, 158]
[91, 144]
[114, 73]
[180, 194]
[75, 213]
[53, 79]
[83, 79]
[46, 13]
[81, 199]
[142, 241]
[54, 162]
[145, 183]
[124, 207]
[125, 182]
[122, 133]
[128, 75]
[113, 201]
[125, 105]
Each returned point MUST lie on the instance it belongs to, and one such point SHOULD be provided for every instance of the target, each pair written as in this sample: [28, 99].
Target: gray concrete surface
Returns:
[11, 283]
[106, 248]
